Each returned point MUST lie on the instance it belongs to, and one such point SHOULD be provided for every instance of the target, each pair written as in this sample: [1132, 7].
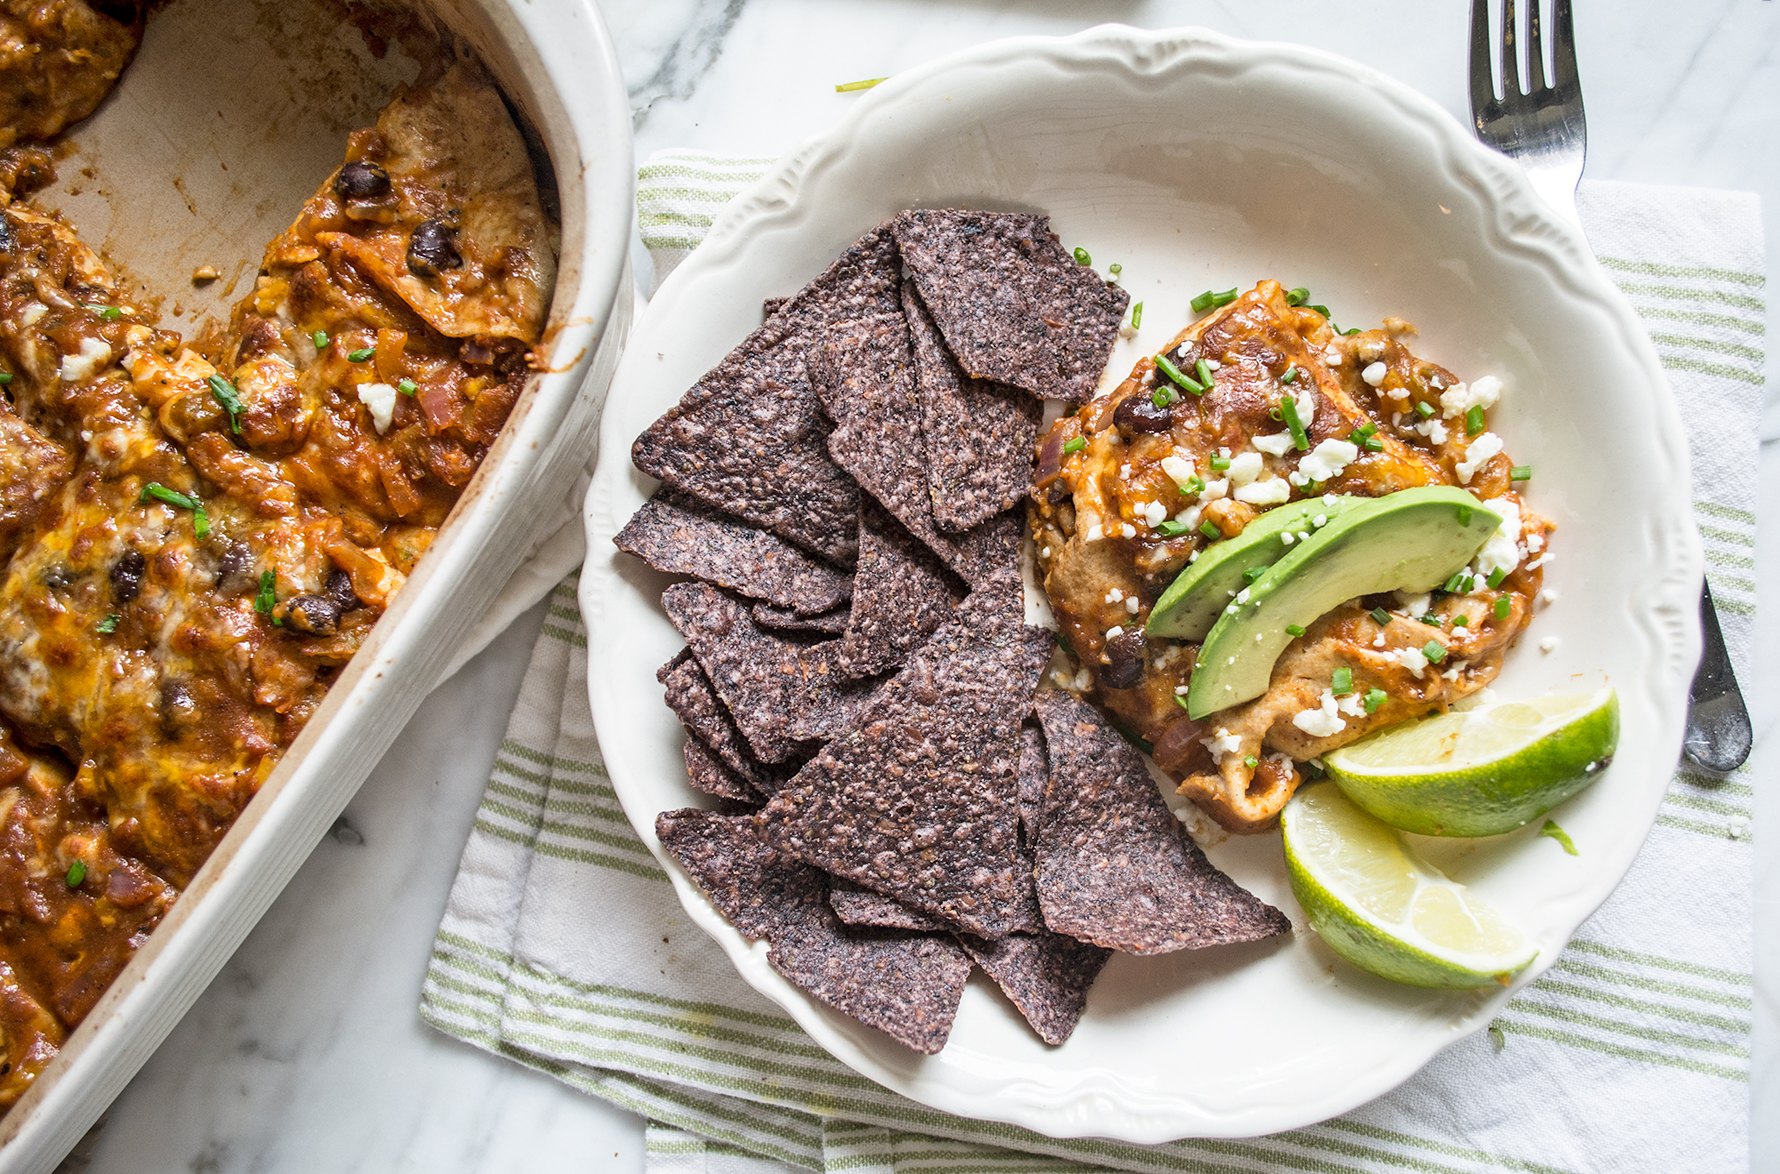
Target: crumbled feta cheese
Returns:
[1378, 640]
[1411, 659]
[1287, 538]
[1083, 679]
[1535, 543]
[1276, 445]
[1115, 596]
[1414, 603]
[1433, 429]
[1371, 349]
[1094, 534]
[1154, 513]
[1216, 489]
[1125, 472]
[1242, 596]
[1179, 469]
[1189, 517]
[1462, 397]
[1332, 357]
[33, 314]
[1222, 744]
[1127, 530]
[1272, 491]
[93, 354]
[1325, 721]
[1180, 690]
[1318, 522]
[1373, 374]
[1045, 553]
[1486, 445]
[1213, 365]
[1548, 596]
[1304, 397]
[1328, 459]
[1114, 632]
[1353, 705]
[381, 399]
[1503, 548]
[1549, 644]
[1540, 561]
[1132, 603]
[1244, 467]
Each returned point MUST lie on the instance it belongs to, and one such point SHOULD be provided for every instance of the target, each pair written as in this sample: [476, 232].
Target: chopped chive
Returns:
[1368, 443]
[1211, 298]
[1136, 315]
[106, 313]
[1433, 621]
[1424, 409]
[1473, 420]
[1496, 576]
[1341, 682]
[1195, 485]
[407, 387]
[1461, 621]
[1163, 395]
[1373, 699]
[267, 598]
[1273, 413]
[1289, 375]
[1115, 269]
[1210, 530]
[1521, 473]
[1171, 528]
[1181, 377]
[361, 354]
[155, 491]
[1464, 513]
[1434, 651]
[1288, 409]
[108, 625]
[5, 378]
[1380, 616]
[77, 872]
[229, 398]
[1351, 330]
[1455, 584]
[1180, 701]
[850, 87]
[1203, 370]
[1297, 296]
[1560, 835]
[1253, 573]
[1219, 462]
[1074, 444]
[1294, 630]
[1082, 257]
[320, 339]
[200, 523]
[1251, 762]
[1323, 310]
[1503, 606]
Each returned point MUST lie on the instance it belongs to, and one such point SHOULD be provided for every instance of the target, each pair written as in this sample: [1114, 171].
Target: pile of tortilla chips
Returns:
[897, 799]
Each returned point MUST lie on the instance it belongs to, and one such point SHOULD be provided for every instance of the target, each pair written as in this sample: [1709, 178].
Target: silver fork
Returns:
[1539, 124]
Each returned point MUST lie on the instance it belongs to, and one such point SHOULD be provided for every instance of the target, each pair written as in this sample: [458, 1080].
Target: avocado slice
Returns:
[1200, 593]
[1411, 540]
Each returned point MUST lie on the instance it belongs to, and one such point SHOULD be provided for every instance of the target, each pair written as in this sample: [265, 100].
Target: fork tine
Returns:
[1483, 89]
[1537, 75]
[1563, 47]
[1510, 58]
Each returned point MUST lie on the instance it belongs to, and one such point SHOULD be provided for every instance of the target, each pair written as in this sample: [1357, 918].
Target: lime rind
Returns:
[1481, 772]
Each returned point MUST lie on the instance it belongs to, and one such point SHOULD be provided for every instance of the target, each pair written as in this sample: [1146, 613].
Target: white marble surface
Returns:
[306, 1056]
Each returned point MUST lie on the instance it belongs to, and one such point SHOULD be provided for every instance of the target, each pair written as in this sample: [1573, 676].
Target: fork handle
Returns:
[1718, 735]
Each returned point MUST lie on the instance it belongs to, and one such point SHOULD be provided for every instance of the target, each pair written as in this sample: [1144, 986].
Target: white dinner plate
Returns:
[1196, 162]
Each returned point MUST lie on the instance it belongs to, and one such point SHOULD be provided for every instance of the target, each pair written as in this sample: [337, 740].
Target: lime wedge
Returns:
[1383, 909]
[1483, 771]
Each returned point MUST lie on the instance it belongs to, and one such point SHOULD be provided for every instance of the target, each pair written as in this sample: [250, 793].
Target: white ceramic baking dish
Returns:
[233, 112]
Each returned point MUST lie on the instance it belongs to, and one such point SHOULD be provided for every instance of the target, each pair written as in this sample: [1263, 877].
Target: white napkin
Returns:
[564, 948]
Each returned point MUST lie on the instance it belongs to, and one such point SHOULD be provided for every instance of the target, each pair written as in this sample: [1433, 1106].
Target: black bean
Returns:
[340, 590]
[1124, 660]
[126, 576]
[6, 241]
[430, 249]
[361, 181]
[234, 570]
[1139, 413]
[177, 704]
[315, 615]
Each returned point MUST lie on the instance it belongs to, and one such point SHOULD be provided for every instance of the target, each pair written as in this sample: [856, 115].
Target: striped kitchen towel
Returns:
[565, 949]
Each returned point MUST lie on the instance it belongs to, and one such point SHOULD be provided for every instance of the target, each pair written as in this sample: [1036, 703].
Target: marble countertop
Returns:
[307, 1056]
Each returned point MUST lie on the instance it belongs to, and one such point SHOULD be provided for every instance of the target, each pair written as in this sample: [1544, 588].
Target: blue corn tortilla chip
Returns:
[1035, 773]
[900, 594]
[680, 537]
[708, 773]
[1045, 975]
[828, 623]
[748, 438]
[1114, 866]
[690, 695]
[905, 986]
[862, 907]
[979, 436]
[779, 692]
[918, 801]
[1010, 301]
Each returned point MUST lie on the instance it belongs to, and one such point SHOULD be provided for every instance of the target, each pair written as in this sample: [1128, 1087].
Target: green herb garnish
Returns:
[1136, 315]
[1163, 395]
[1186, 381]
[320, 339]
[1434, 651]
[1115, 269]
[1366, 437]
[1294, 630]
[1380, 616]
[1170, 528]
[229, 398]
[1210, 530]
[1253, 573]
[1424, 409]
[361, 354]
[1251, 762]
[407, 387]
[1297, 296]
[1289, 375]
[850, 87]
[1203, 370]
[5, 378]
[1180, 701]
[1503, 606]
[267, 598]
[106, 313]
[1373, 699]
[1341, 682]
[1074, 444]
[1288, 411]
[1473, 420]
[1195, 485]
[108, 625]
[1211, 298]
[1521, 473]
[1219, 462]
[1082, 257]
[77, 872]
[1496, 576]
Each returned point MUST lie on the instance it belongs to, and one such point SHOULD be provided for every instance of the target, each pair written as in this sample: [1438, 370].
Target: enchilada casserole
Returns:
[197, 538]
